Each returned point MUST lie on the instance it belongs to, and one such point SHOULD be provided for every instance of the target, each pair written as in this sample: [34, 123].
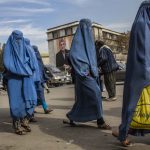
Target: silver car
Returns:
[57, 77]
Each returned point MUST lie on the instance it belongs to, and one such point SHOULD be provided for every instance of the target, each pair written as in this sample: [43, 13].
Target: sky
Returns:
[34, 17]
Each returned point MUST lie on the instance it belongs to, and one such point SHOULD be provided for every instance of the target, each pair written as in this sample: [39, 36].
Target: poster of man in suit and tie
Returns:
[62, 56]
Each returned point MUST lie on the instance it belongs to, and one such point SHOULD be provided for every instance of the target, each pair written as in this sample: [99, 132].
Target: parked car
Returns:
[57, 77]
[1, 81]
[120, 74]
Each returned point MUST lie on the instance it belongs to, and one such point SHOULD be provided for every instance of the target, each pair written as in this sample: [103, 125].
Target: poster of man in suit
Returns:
[62, 56]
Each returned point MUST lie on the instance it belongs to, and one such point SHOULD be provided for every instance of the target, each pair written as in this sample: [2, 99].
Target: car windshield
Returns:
[54, 69]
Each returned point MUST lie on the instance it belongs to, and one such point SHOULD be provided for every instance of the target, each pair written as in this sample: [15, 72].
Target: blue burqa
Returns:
[138, 67]
[42, 74]
[88, 104]
[20, 65]
[36, 75]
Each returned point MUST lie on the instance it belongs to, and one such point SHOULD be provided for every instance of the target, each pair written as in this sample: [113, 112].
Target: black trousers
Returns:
[110, 83]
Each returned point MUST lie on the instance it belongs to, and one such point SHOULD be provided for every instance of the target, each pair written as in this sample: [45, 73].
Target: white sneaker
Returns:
[111, 99]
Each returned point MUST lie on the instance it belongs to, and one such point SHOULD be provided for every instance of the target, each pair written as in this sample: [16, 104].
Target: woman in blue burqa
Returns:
[43, 79]
[36, 75]
[137, 81]
[82, 56]
[20, 66]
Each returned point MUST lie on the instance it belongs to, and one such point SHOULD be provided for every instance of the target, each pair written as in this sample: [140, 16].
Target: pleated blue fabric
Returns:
[138, 67]
[20, 66]
[82, 56]
[43, 78]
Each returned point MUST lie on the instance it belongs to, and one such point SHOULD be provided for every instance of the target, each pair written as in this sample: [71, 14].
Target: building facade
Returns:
[45, 58]
[67, 32]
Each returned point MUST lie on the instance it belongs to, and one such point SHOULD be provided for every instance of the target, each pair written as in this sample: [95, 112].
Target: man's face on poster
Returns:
[62, 45]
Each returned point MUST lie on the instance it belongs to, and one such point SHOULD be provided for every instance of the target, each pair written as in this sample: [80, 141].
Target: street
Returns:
[49, 133]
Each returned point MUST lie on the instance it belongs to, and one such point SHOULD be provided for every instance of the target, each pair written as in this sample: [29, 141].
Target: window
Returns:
[108, 36]
[104, 35]
[69, 31]
[62, 33]
[96, 33]
[50, 36]
[100, 32]
[55, 34]
[114, 37]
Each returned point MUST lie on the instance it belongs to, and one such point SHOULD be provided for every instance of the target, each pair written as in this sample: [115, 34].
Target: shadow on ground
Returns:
[115, 112]
[5, 120]
[86, 136]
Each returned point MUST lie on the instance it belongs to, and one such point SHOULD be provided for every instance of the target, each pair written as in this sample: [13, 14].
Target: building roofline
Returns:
[104, 28]
[77, 22]
[63, 26]
[111, 31]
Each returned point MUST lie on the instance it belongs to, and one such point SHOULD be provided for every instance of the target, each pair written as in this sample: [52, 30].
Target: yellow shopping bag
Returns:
[141, 116]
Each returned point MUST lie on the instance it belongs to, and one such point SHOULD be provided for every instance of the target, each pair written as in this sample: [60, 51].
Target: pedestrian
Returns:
[101, 77]
[136, 96]
[43, 79]
[35, 76]
[88, 103]
[108, 67]
[19, 66]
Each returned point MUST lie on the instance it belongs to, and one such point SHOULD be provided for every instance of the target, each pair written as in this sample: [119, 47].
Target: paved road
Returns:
[50, 134]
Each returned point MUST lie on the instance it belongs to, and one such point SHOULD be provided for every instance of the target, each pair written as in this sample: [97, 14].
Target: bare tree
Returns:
[123, 42]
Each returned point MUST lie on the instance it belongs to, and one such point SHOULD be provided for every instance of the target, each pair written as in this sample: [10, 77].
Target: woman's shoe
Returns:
[104, 126]
[20, 132]
[47, 111]
[18, 129]
[126, 143]
[70, 122]
[48, 91]
[25, 124]
[32, 118]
